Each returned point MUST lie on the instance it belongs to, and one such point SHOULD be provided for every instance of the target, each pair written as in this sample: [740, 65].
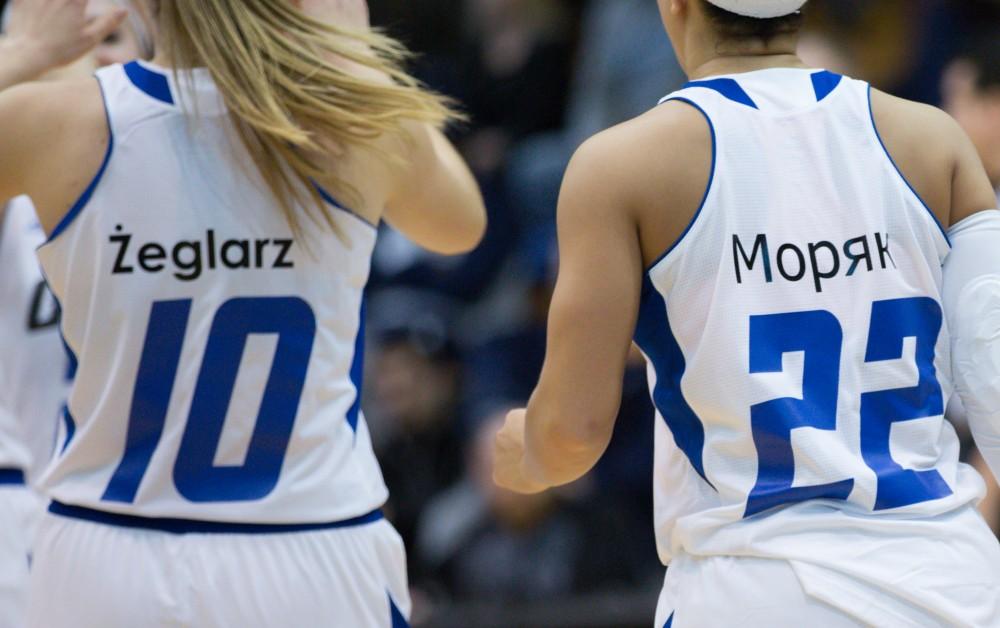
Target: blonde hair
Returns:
[277, 71]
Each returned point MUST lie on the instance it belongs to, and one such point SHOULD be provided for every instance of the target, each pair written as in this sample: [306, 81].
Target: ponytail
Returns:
[277, 71]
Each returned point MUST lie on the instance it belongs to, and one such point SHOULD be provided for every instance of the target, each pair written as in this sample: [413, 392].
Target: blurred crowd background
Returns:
[454, 343]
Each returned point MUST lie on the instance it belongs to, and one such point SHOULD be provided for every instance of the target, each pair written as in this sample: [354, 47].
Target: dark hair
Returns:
[733, 26]
[983, 52]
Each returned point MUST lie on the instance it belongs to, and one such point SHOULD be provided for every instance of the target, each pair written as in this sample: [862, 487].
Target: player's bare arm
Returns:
[429, 194]
[611, 194]
[36, 116]
[951, 178]
[432, 197]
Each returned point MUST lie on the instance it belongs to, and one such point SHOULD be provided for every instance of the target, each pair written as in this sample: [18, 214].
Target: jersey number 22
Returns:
[819, 335]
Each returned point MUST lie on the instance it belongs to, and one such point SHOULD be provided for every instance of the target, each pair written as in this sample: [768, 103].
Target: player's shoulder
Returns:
[66, 98]
[914, 123]
[668, 130]
[32, 114]
[669, 146]
[652, 171]
[925, 143]
[47, 127]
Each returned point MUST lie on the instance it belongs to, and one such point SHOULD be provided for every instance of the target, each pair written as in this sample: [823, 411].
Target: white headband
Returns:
[763, 9]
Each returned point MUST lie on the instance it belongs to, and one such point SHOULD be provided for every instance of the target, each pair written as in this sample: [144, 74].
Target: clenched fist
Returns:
[508, 462]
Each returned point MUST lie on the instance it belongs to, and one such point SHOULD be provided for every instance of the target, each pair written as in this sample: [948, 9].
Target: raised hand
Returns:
[46, 34]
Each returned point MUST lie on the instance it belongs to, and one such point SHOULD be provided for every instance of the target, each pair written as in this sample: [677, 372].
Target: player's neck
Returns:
[712, 58]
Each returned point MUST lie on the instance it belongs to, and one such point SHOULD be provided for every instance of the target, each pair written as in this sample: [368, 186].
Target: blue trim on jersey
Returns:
[193, 526]
[358, 370]
[656, 339]
[153, 84]
[70, 425]
[824, 82]
[72, 364]
[670, 621]
[331, 200]
[12, 477]
[902, 176]
[81, 202]
[708, 188]
[398, 620]
[727, 87]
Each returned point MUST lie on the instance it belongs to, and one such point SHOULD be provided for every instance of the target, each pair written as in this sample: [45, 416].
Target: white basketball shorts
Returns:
[19, 512]
[95, 575]
[724, 591]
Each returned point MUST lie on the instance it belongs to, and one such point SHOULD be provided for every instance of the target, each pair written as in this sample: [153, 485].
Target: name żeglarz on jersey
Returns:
[820, 261]
[190, 258]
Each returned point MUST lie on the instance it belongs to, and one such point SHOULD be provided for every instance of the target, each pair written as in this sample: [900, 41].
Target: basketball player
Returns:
[774, 237]
[33, 369]
[216, 470]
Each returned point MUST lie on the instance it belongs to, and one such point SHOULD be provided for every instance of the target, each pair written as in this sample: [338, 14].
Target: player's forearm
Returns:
[562, 445]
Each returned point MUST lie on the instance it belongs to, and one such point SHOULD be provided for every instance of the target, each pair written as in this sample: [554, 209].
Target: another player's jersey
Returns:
[33, 369]
[798, 356]
[219, 351]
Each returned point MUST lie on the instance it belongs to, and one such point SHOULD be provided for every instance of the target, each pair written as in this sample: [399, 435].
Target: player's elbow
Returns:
[466, 232]
[563, 447]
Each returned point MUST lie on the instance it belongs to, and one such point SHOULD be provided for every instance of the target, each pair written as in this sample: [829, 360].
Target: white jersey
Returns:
[220, 353]
[799, 360]
[33, 371]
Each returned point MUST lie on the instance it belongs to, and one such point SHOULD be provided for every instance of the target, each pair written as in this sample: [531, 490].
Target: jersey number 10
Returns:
[819, 335]
[196, 475]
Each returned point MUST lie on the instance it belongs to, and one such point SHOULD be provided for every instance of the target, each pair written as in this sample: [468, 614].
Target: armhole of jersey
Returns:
[899, 171]
[81, 202]
[708, 188]
[329, 199]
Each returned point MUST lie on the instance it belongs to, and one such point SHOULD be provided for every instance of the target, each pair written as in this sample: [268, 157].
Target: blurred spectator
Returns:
[515, 75]
[503, 370]
[625, 65]
[971, 90]
[416, 381]
[487, 543]
[511, 75]
[899, 46]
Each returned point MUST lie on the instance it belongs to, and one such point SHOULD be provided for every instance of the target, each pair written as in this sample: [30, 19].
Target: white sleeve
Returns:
[972, 309]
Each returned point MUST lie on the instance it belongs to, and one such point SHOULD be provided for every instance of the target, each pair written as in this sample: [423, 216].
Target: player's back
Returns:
[219, 349]
[799, 357]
